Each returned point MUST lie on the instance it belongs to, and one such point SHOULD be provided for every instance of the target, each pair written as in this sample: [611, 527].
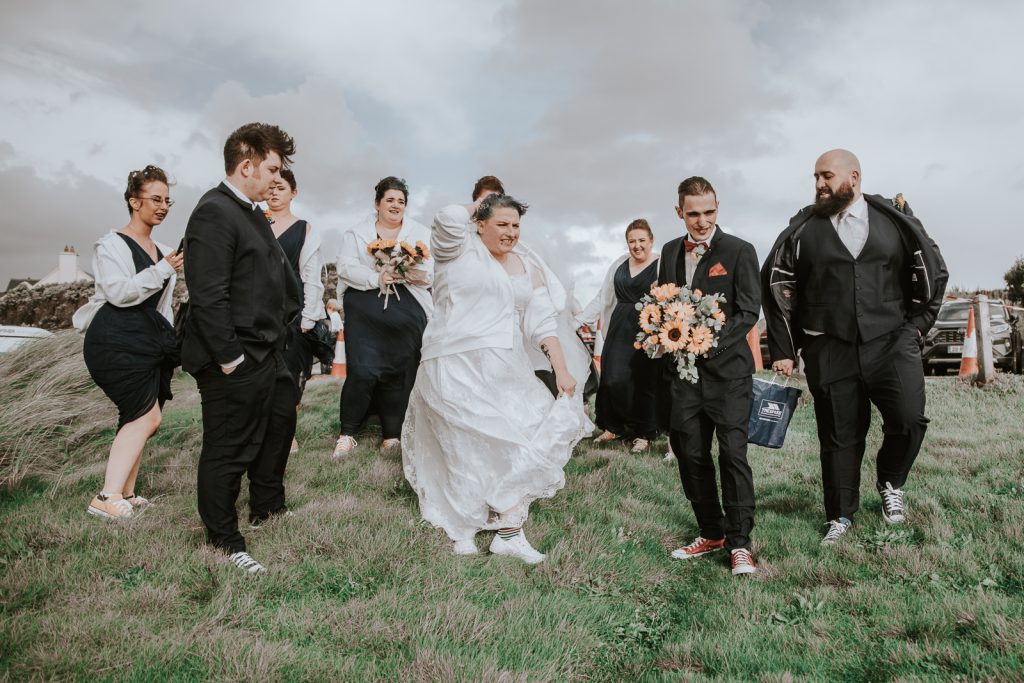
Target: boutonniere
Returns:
[269, 216]
[899, 203]
[701, 249]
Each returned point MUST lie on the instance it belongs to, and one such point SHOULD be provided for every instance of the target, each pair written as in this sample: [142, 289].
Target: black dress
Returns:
[626, 394]
[382, 350]
[297, 354]
[131, 351]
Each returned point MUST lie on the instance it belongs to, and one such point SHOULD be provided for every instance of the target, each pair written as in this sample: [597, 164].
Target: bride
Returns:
[483, 437]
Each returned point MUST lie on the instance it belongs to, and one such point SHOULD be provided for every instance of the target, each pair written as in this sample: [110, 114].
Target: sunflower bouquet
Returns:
[400, 260]
[686, 324]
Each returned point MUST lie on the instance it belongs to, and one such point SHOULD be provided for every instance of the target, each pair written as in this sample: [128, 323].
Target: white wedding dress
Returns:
[483, 437]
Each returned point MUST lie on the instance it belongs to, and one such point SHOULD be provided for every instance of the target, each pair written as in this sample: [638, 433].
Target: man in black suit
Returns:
[708, 259]
[853, 284]
[242, 295]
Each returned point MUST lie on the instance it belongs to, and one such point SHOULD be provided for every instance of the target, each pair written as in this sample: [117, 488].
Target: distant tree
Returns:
[1015, 280]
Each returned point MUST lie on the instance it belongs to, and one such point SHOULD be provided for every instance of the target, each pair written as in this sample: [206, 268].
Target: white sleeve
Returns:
[312, 285]
[592, 311]
[122, 288]
[352, 272]
[450, 230]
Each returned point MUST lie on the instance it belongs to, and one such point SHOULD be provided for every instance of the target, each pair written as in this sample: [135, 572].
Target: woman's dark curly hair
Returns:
[138, 179]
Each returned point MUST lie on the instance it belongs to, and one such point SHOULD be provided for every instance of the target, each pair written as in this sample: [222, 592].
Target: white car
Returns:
[12, 336]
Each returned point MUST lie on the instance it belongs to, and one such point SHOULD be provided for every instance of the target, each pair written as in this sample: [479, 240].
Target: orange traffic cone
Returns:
[339, 369]
[969, 356]
[754, 342]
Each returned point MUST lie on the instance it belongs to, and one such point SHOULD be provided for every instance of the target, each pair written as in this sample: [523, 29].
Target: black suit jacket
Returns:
[741, 285]
[241, 293]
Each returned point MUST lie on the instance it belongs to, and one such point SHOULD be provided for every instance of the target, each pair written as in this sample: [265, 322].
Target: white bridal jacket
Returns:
[118, 283]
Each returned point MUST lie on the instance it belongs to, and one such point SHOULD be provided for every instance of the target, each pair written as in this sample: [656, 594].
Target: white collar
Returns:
[238, 193]
[858, 210]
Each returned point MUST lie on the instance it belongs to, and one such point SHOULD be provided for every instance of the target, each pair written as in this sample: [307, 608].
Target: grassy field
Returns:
[360, 589]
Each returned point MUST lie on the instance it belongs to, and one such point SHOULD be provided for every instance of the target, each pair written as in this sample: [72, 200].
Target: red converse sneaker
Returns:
[700, 546]
[742, 562]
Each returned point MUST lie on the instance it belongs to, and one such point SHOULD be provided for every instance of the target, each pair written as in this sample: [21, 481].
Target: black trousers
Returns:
[886, 372]
[248, 425]
[699, 412]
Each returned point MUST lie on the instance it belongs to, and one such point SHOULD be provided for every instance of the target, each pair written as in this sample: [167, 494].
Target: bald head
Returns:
[840, 159]
[836, 181]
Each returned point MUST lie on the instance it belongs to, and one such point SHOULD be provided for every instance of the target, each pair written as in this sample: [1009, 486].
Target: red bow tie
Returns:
[690, 246]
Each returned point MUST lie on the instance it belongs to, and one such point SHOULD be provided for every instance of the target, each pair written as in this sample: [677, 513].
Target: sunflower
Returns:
[673, 335]
[423, 250]
[650, 317]
[407, 248]
[665, 292]
[701, 339]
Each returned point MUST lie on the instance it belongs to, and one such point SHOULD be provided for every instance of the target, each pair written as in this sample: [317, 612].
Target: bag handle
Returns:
[776, 376]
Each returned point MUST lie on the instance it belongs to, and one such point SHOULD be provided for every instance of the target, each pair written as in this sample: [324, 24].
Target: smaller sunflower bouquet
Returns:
[686, 324]
[402, 261]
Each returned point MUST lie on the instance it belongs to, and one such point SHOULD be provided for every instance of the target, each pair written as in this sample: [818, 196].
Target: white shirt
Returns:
[238, 193]
[692, 258]
[853, 231]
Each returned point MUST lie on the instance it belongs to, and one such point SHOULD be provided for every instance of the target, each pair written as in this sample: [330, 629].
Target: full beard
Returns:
[833, 202]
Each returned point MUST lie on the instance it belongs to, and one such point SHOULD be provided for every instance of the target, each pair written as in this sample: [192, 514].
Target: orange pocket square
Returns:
[717, 269]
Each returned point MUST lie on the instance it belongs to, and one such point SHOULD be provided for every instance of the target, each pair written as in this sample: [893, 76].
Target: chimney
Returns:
[67, 266]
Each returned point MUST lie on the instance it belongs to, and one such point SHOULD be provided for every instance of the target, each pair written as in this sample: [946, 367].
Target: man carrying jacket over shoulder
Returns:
[853, 284]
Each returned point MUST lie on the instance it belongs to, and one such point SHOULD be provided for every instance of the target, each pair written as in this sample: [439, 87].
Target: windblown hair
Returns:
[695, 186]
[138, 179]
[499, 201]
[254, 141]
[639, 224]
[488, 182]
[390, 183]
[289, 177]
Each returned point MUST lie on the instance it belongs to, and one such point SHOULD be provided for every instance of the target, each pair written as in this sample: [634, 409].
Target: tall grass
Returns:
[360, 589]
[50, 409]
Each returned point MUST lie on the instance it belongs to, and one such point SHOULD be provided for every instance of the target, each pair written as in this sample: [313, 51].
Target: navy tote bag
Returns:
[770, 412]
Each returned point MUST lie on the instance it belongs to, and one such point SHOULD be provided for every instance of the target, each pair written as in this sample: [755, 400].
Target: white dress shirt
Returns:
[238, 193]
[852, 225]
[692, 259]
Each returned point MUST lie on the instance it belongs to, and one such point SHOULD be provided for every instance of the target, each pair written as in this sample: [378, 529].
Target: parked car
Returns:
[13, 336]
[944, 343]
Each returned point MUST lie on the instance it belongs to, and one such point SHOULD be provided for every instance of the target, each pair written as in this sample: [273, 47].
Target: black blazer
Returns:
[241, 292]
[741, 285]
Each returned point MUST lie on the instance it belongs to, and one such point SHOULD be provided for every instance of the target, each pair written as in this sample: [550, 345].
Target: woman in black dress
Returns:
[301, 245]
[383, 335]
[627, 390]
[130, 348]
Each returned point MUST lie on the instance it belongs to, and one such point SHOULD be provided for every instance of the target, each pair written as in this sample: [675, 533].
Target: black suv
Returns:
[944, 343]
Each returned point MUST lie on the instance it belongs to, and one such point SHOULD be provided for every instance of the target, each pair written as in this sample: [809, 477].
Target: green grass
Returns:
[360, 588]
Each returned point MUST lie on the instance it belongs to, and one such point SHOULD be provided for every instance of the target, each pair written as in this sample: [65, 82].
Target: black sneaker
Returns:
[836, 529]
[893, 510]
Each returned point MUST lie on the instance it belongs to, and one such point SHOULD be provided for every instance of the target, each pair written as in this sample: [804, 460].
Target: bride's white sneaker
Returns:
[517, 547]
[466, 546]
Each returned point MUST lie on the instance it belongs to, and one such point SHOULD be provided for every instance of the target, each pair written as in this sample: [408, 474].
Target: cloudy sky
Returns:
[590, 110]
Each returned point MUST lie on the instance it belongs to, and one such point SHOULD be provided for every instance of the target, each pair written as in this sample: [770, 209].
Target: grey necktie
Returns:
[846, 233]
